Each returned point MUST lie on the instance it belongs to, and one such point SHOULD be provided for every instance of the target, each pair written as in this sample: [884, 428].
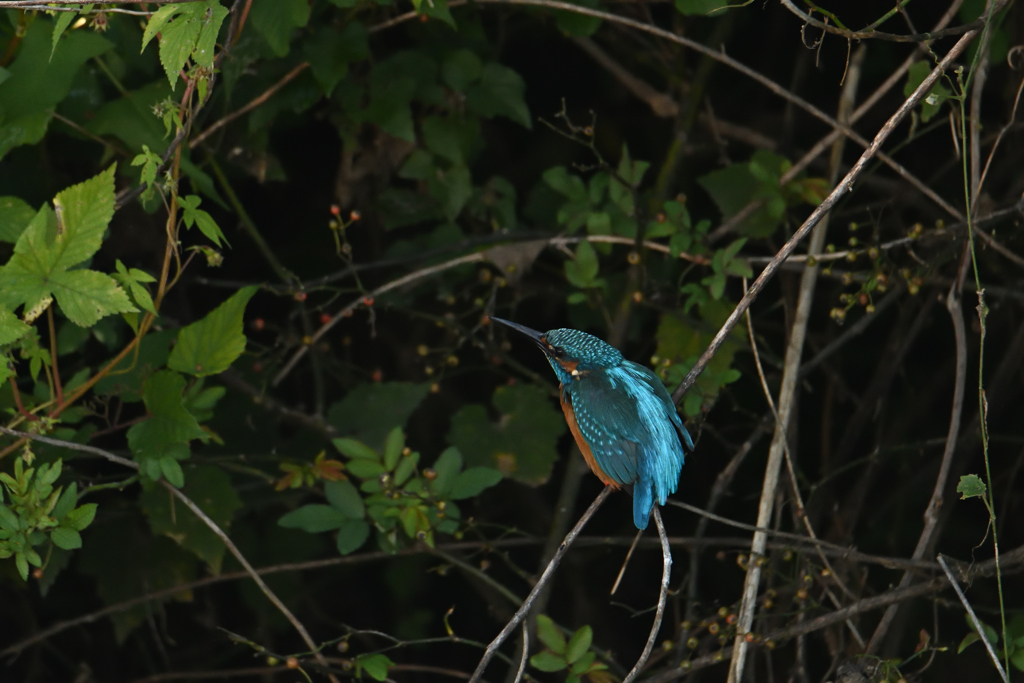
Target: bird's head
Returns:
[571, 353]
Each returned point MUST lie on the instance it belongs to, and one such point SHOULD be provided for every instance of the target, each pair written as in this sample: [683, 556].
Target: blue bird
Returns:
[620, 414]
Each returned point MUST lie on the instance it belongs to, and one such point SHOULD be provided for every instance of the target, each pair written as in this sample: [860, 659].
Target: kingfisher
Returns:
[621, 415]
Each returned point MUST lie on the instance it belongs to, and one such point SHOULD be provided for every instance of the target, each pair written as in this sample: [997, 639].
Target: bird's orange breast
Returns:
[588, 456]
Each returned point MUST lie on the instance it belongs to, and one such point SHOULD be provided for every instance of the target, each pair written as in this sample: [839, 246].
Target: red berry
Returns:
[325, 318]
[258, 324]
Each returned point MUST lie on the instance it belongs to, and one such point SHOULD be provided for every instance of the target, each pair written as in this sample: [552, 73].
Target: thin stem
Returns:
[974, 617]
[666, 573]
[549, 571]
[53, 356]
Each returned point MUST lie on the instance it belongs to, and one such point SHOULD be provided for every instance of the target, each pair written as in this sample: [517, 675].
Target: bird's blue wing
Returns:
[628, 419]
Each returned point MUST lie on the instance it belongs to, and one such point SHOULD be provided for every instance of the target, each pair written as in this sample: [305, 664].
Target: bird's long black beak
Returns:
[537, 337]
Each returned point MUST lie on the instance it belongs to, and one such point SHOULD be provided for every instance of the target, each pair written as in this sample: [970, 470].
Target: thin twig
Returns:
[974, 617]
[841, 189]
[666, 573]
[787, 398]
[549, 571]
[526, 653]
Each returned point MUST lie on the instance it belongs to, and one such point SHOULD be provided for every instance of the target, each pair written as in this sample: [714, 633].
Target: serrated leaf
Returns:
[209, 346]
[55, 242]
[474, 480]
[344, 497]
[12, 328]
[15, 215]
[192, 215]
[169, 425]
[81, 517]
[157, 21]
[64, 20]
[66, 502]
[65, 538]
[314, 518]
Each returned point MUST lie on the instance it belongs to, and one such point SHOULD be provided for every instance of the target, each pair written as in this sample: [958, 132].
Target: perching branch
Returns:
[521, 613]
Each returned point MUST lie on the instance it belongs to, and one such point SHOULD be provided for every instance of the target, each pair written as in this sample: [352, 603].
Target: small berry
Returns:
[292, 663]
[300, 296]
[354, 216]
[377, 375]
[335, 210]
[258, 324]
[325, 318]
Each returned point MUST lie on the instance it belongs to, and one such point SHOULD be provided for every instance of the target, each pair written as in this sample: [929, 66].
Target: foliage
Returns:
[248, 251]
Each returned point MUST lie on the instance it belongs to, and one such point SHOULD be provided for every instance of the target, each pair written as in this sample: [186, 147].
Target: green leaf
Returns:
[971, 486]
[577, 24]
[376, 666]
[461, 69]
[276, 20]
[81, 517]
[186, 30]
[547, 661]
[211, 489]
[366, 469]
[452, 189]
[522, 444]
[932, 102]
[15, 215]
[969, 639]
[64, 20]
[314, 518]
[499, 93]
[579, 644]
[192, 215]
[170, 426]
[582, 271]
[53, 244]
[370, 411]
[474, 480]
[329, 53]
[11, 327]
[448, 466]
[550, 634]
[352, 535]
[355, 449]
[406, 466]
[450, 138]
[150, 163]
[344, 497]
[134, 281]
[393, 448]
[66, 502]
[209, 346]
[65, 538]
[36, 83]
